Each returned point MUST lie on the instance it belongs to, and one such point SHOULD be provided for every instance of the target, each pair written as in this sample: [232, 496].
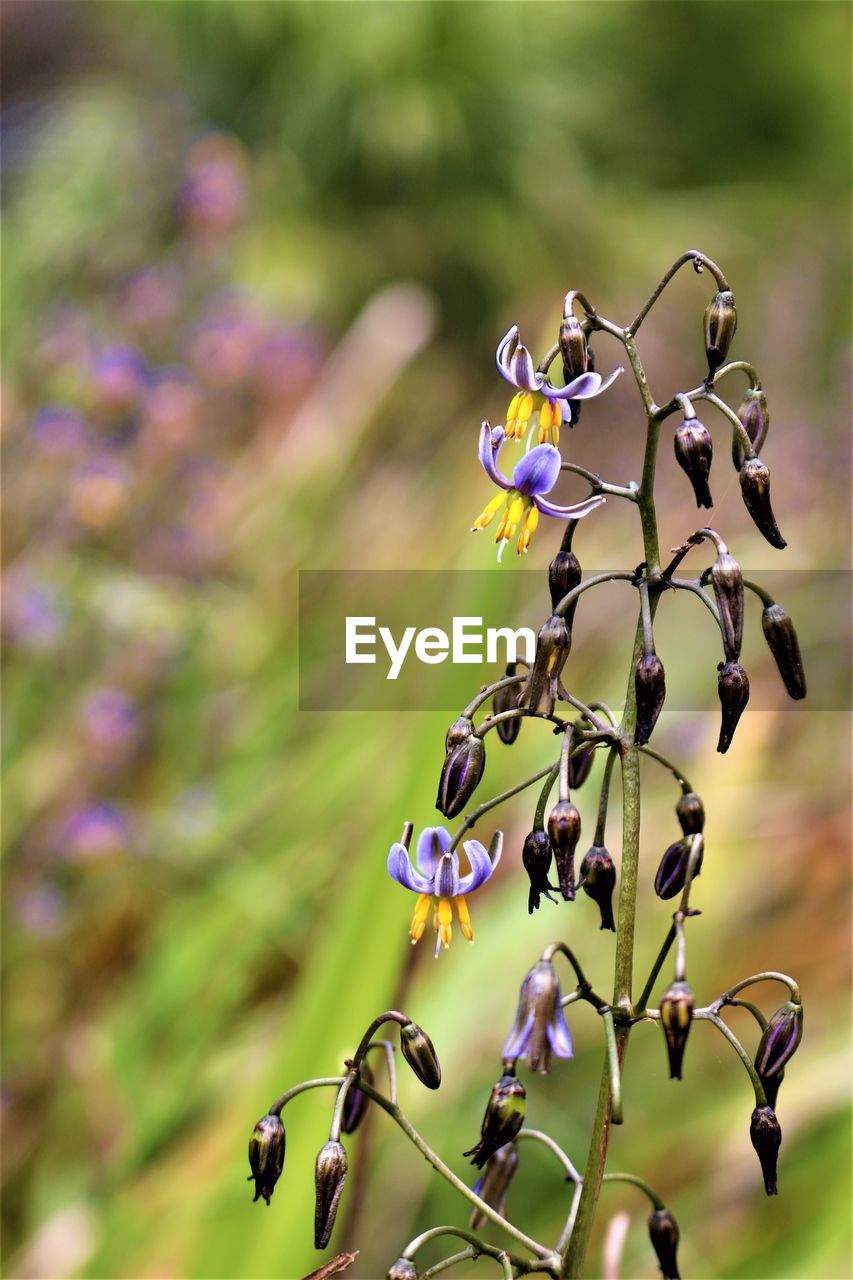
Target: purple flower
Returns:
[435, 874]
[523, 497]
[540, 1028]
[536, 394]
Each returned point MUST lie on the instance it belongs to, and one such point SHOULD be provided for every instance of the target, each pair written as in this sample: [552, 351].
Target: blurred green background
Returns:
[257, 258]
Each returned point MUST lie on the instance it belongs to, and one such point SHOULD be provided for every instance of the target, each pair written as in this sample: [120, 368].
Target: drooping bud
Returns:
[780, 1040]
[720, 325]
[766, 1135]
[356, 1101]
[419, 1052]
[771, 1087]
[402, 1269]
[494, 1182]
[460, 775]
[693, 453]
[580, 762]
[782, 638]
[755, 490]
[502, 1120]
[664, 1235]
[564, 574]
[733, 690]
[564, 831]
[676, 1015]
[650, 685]
[266, 1155]
[598, 880]
[727, 581]
[458, 731]
[552, 649]
[690, 812]
[330, 1174]
[755, 419]
[536, 859]
[672, 872]
[504, 700]
[540, 1029]
[573, 348]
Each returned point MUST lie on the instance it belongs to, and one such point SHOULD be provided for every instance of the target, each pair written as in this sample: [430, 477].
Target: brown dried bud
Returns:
[733, 690]
[504, 1116]
[266, 1155]
[505, 700]
[564, 574]
[664, 1235]
[552, 649]
[766, 1135]
[693, 453]
[573, 348]
[676, 1015]
[494, 1182]
[650, 684]
[782, 638]
[356, 1102]
[598, 880]
[402, 1269]
[720, 326]
[330, 1174]
[755, 490]
[690, 812]
[580, 762]
[755, 419]
[727, 581]
[458, 731]
[419, 1052]
[536, 860]
[564, 831]
[460, 775]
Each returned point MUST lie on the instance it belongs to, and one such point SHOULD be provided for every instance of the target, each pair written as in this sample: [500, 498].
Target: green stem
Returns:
[472, 818]
[489, 1250]
[542, 802]
[601, 822]
[535, 1135]
[634, 1181]
[706, 1015]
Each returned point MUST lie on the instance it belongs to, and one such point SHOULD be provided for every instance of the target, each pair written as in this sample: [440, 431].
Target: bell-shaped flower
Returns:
[537, 401]
[436, 879]
[523, 497]
[540, 1029]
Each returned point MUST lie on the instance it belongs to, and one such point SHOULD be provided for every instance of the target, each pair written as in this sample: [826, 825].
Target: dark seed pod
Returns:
[690, 812]
[402, 1269]
[733, 689]
[504, 700]
[672, 872]
[536, 859]
[460, 775]
[564, 831]
[564, 574]
[650, 684]
[676, 1015]
[330, 1174]
[356, 1102]
[552, 649]
[780, 1040]
[598, 880]
[664, 1235]
[720, 326]
[693, 453]
[755, 419]
[573, 348]
[266, 1155]
[502, 1120]
[782, 638]
[419, 1052]
[766, 1135]
[494, 1182]
[727, 581]
[580, 762]
[755, 490]
[458, 731]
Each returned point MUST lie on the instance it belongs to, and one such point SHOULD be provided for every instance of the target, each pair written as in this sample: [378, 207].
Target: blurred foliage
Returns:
[257, 258]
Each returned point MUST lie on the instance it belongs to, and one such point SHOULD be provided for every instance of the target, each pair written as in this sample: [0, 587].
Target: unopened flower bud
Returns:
[502, 1120]
[573, 348]
[580, 762]
[779, 1042]
[690, 812]
[552, 649]
[693, 453]
[782, 638]
[598, 880]
[650, 685]
[664, 1235]
[771, 1087]
[564, 574]
[266, 1155]
[505, 700]
[755, 419]
[564, 831]
[460, 775]
[672, 872]
[494, 1182]
[733, 690]
[720, 325]
[676, 1014]
[727, 581]
[356, 1102]
[766, 1136]
[330, 1174]
[755, 490]
[536, 859]
[402, 1269]
[458, 731]
[419, 1052]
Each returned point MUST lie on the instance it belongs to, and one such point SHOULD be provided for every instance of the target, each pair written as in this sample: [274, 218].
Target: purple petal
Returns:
[576, 512]
[432, 843]
[491, 439]
[522, 372]
[506, 347]
[446, 883]
[401, 870]
[582, 388]
[538, 471]
[481, 865]
[559, 1037]
[516, 1042]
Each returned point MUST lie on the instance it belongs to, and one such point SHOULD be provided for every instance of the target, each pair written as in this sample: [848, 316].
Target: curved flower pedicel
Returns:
[536, 394]
[436, 875]
[523, 497]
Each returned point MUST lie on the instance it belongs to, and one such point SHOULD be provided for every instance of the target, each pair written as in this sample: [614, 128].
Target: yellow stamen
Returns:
[512, 414]
[509, 524]
[557, 411]
[464, 918]
[419, 918]
[445, 917]
[529, 527]
[525, 408]
[488, 513]
[545, 417]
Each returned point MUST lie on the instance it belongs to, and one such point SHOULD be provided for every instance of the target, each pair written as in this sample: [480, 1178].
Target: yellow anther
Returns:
[419, 917]
[512, 415]
[529, 527]
[557, 411]
[525, 407]
[545, 416]
[514, 513]
[488, 513]
[464, 918]
[445, 918]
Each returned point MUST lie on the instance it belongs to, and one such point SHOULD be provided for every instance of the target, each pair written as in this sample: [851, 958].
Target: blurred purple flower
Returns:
[214, 193]
[99, 493]
[224, 346]
[40, 910]
[59, 431]
[171, 413]
[33, 619]
[111, 726]
[118, 377]
[99, 831]
[151, 299]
